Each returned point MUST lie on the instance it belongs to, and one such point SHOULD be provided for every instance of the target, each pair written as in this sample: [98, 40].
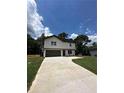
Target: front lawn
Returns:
[87, 62]
[33, 64]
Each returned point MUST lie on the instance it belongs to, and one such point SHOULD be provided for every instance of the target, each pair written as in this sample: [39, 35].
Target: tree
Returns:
[40, 41]
[81, 42]
[82, 39]
[94, 44]
[63, 35]
[32, 45]
[29, 44]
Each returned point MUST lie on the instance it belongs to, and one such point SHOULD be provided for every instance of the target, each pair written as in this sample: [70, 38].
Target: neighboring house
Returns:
[53, 46]
[93, 52]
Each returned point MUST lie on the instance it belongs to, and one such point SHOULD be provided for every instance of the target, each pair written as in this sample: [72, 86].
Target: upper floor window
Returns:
[70, 44]
[53, 43]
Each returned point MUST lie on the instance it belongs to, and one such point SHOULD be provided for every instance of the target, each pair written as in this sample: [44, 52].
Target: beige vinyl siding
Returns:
[59, 44]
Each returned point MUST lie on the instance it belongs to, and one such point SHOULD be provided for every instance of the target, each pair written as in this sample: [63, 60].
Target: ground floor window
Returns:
[69, 51]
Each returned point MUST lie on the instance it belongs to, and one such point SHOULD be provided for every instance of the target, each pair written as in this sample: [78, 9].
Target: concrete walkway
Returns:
[61, 75]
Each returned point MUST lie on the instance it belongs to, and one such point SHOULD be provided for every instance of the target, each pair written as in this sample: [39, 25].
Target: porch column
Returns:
[66, 52]
[73, 52]
[44, 53]
[61, 52]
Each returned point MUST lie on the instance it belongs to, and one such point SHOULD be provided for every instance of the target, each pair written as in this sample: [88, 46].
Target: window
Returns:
[70, 44]
[53, 43]
[69, 51]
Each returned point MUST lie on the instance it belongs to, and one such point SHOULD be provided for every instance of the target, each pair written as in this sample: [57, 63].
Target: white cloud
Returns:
[81, 26]
[73, 35]
[93, 38]
[35, 26]
[47, 32]
[88, 31]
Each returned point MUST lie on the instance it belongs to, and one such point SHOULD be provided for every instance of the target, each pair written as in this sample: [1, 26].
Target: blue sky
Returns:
[71, 16]
[55, 16]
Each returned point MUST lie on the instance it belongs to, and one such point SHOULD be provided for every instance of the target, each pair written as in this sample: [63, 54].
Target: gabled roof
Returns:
[65, 40]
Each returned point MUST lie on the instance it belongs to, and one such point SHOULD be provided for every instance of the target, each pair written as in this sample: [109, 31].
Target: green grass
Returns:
[33, 64]
[88, 62]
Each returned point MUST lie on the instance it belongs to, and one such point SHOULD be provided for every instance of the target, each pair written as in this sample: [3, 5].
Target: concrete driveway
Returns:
[61, 75]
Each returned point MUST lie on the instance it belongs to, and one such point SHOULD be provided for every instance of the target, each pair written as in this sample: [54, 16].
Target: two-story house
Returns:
[53, 46]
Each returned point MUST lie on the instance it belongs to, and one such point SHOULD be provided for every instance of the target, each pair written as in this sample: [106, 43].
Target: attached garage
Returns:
[50, 53]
